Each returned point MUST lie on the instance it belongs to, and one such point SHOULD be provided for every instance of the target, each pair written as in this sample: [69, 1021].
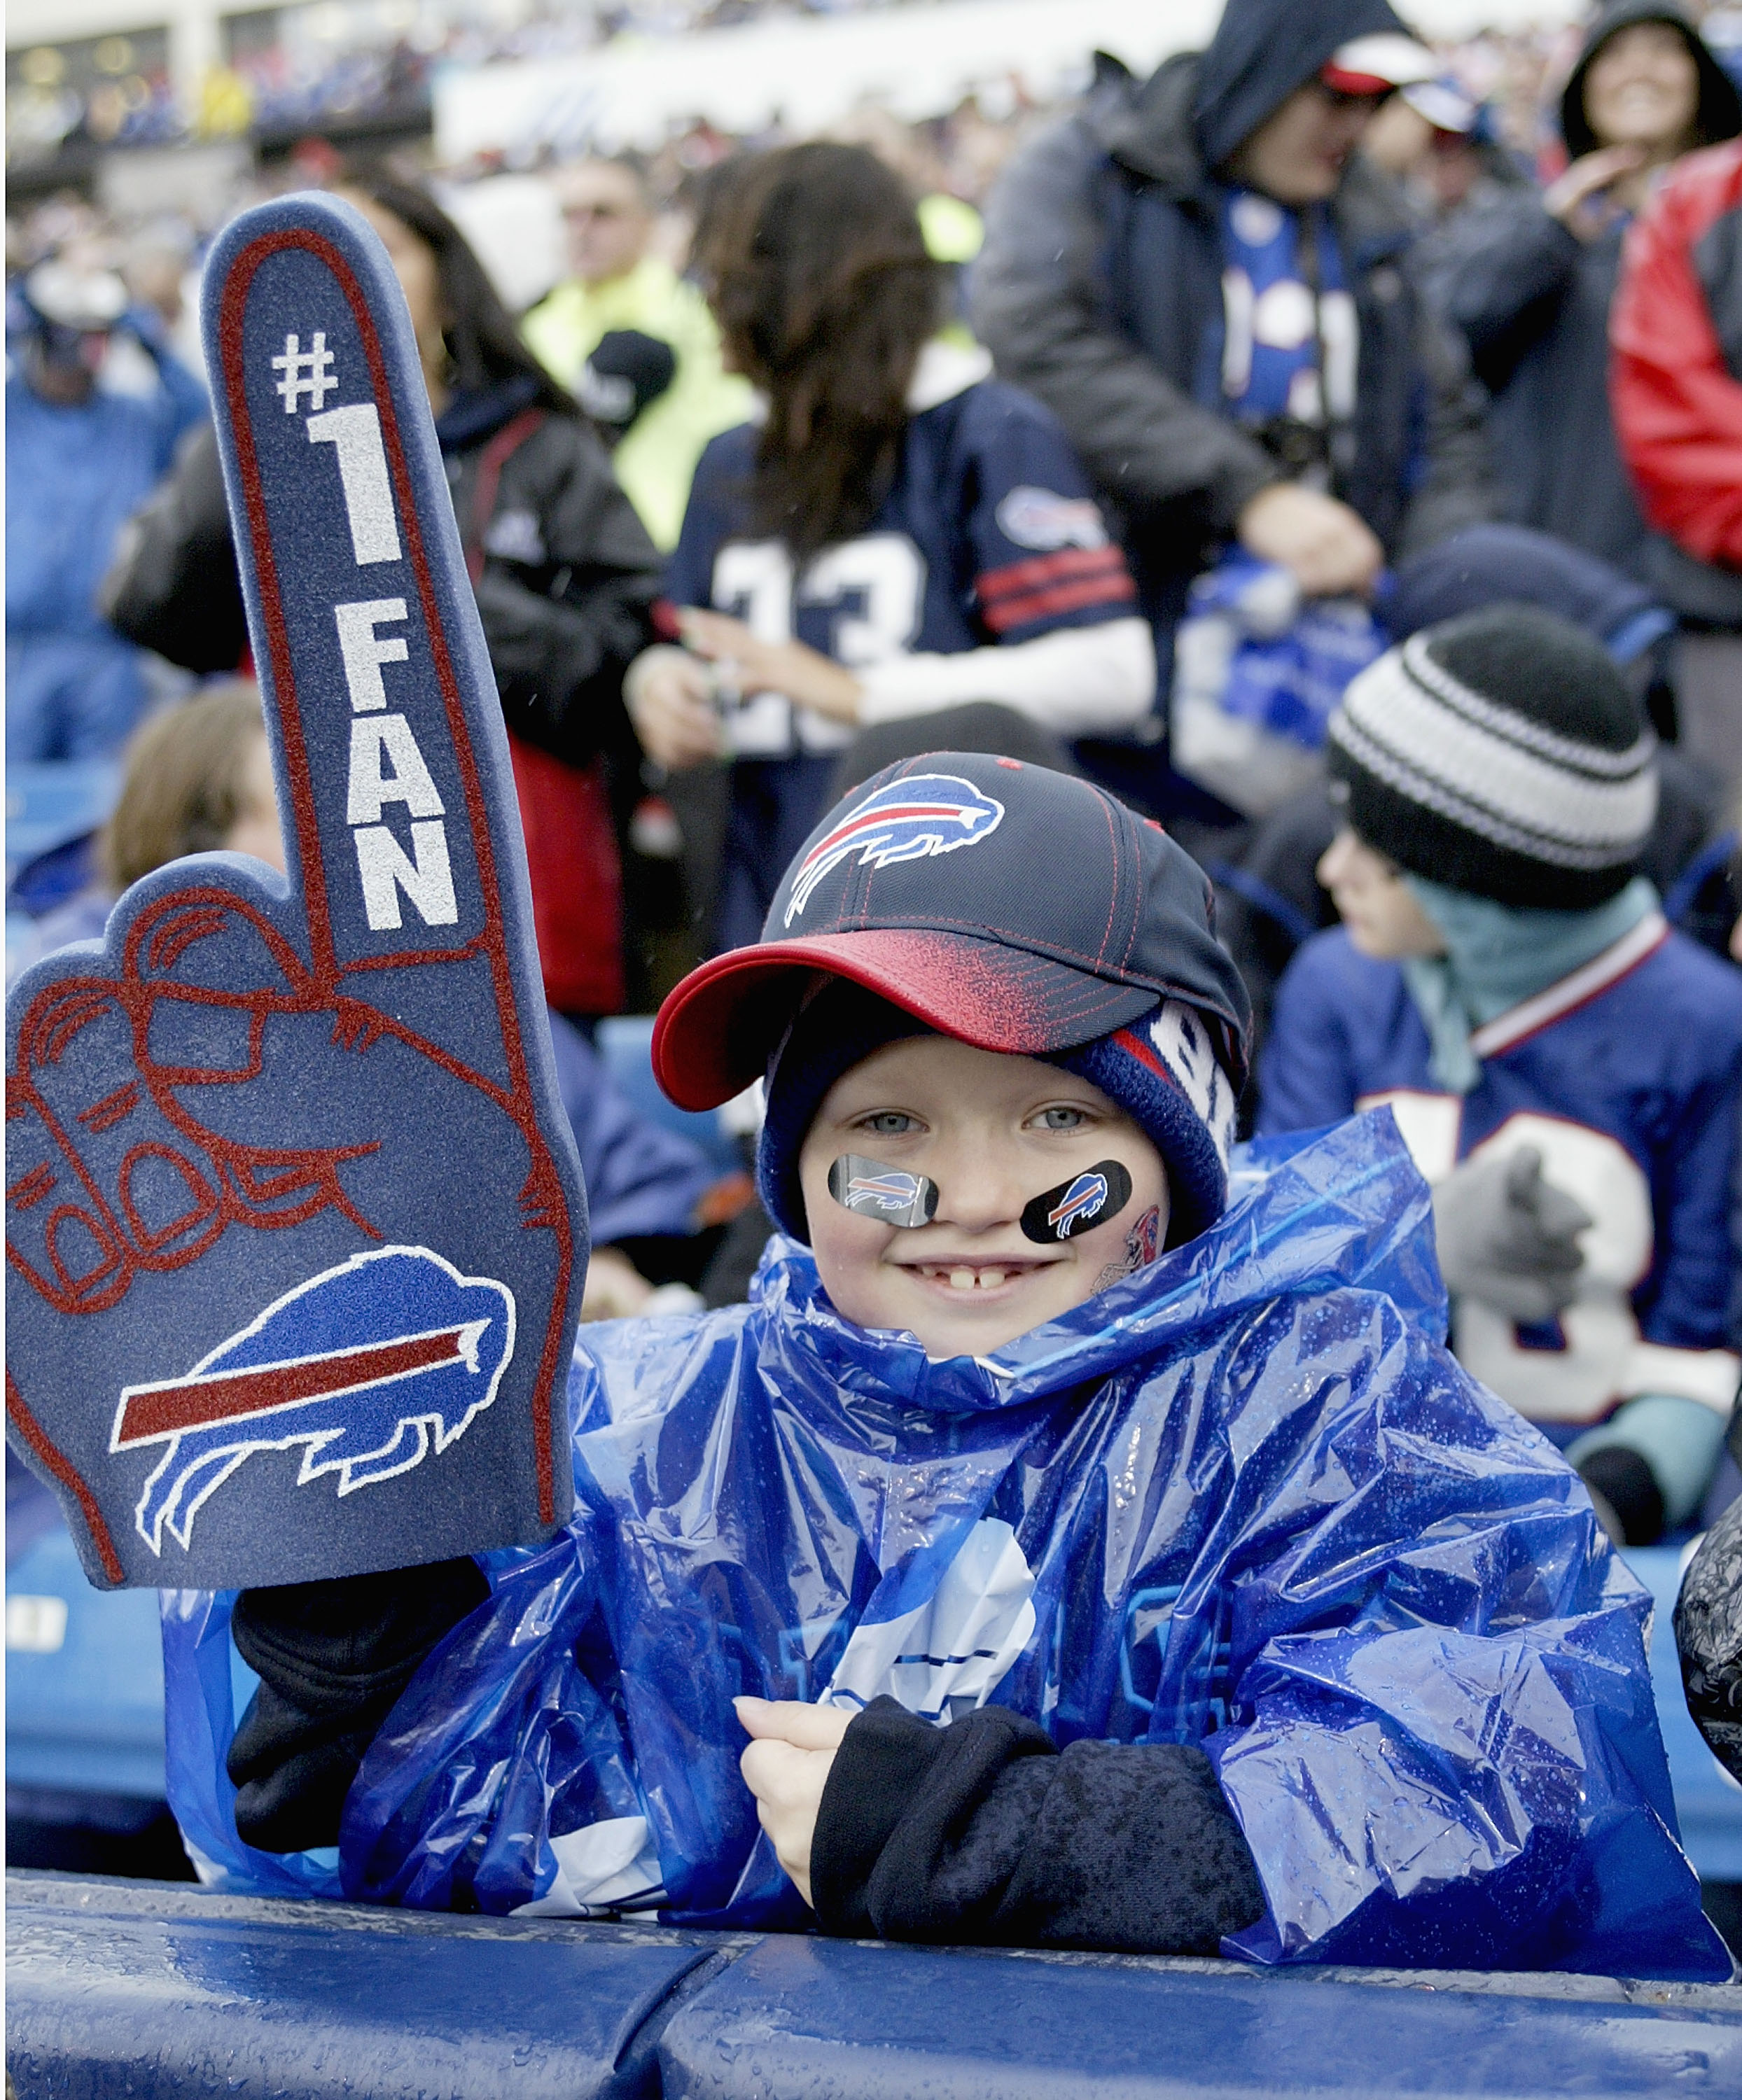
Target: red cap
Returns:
[1374, 66]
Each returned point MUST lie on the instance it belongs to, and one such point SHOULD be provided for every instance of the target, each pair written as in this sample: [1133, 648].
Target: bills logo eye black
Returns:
[1088, 1198]
[887, 1193]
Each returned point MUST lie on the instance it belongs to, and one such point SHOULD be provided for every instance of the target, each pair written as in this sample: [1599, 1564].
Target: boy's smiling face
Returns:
[993, 1131]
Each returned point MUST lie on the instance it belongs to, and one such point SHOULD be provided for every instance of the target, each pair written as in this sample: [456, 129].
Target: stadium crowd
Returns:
[1331, 447]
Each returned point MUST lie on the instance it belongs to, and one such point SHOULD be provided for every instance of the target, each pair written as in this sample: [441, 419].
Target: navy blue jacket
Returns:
[1100, 290]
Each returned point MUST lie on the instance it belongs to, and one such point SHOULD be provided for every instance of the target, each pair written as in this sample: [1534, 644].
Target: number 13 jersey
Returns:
[988, 535]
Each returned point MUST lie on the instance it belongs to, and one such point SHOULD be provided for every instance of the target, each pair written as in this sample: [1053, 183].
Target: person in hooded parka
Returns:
[1062, 1548]
[1206, 283]
[1529, 279]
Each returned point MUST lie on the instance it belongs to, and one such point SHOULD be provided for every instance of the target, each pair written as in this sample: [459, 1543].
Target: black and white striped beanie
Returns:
[1502, 754]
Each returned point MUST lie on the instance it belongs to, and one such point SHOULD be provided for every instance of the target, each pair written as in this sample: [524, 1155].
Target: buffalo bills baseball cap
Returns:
[1015, 908]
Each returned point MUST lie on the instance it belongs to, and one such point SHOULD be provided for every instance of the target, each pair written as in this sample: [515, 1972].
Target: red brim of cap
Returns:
[718, 1028]
[1341, 82]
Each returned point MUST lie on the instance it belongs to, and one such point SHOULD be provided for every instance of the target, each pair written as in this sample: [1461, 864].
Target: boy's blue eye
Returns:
[890, 1123]
[1061, 1118]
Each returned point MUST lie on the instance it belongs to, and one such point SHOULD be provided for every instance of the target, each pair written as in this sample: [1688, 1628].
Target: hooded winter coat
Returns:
[1532, 302]
[1099, 289]
[1244, 1499]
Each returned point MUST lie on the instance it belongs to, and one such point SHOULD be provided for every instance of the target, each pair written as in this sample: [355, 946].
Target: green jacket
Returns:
[655, 460]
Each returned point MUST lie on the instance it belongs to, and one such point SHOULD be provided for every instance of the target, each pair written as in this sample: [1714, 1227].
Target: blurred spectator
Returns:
[1444, 146]
[901, 534]
[79, 458]
[1269, 899]
[1677, 331]
[619, 284]
[564, 575]
[197, 778]
[1505, 983]
[1202, 277]
[1531, 280]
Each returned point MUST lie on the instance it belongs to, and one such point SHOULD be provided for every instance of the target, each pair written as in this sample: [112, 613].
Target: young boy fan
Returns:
[1089, 1564]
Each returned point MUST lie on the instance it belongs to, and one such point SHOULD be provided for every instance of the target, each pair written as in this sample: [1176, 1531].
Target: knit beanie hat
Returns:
[1501, 754]
[1161, 1070]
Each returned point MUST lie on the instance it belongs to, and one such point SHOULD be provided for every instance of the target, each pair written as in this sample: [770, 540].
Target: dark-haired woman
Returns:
[900, 534]
[1529, 279]
[564, 572]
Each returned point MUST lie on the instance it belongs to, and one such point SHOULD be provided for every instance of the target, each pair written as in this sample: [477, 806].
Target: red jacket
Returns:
[1677, 401]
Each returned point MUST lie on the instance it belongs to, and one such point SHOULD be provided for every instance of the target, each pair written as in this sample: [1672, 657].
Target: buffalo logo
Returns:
[360, 1364]
[1104, 1189]
[933, 812]
[1085, 1198]
[1036, 518]
[893, 1197]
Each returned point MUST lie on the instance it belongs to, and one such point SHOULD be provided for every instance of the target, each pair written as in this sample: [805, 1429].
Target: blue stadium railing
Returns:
[149, 1991]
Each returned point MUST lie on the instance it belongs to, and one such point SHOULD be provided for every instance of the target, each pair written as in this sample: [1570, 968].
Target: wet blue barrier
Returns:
[796, 2019]
[149, 1991]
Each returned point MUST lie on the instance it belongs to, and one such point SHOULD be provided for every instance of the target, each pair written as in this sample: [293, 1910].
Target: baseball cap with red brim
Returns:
[1014, 908]
[1376, 65]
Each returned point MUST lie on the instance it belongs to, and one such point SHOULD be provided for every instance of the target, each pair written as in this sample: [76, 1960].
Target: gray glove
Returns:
[1508, 1238]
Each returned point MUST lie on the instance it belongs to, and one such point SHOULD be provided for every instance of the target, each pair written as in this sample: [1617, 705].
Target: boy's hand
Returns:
[786, 1767]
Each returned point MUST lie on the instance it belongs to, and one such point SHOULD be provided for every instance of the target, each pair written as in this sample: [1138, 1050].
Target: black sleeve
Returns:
[982, 1832]
[333, 1659]
[173, 585]
[562, 633]
[1504, 280]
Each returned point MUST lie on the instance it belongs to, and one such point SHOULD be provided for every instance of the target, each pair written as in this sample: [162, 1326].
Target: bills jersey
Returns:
[989, 535]
[1627, 1077]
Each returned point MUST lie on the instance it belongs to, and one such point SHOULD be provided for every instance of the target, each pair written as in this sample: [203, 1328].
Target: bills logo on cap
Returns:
[911, 819]
[329, 1093]
[306, 1372]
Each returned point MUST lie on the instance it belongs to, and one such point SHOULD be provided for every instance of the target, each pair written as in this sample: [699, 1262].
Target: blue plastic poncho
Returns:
[1244, 1497]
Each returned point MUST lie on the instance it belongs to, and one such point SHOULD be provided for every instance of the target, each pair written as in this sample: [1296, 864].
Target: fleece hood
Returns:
[1720, 107]
[1263, 50]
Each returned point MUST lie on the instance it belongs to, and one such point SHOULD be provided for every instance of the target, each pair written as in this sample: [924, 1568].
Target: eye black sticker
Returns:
[1089, 1198]
[887, 1193]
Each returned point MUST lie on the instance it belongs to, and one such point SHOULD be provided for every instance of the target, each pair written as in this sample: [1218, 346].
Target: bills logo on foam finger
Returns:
[363, 1367]
[285, 1092]
[911, 819]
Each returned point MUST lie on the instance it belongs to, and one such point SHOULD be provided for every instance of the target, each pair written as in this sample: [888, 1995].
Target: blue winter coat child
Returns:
[1232, 1546]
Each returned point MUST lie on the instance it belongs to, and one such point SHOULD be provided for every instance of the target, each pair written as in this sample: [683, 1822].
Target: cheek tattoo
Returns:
[1143, 1243]
[887, 1193]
